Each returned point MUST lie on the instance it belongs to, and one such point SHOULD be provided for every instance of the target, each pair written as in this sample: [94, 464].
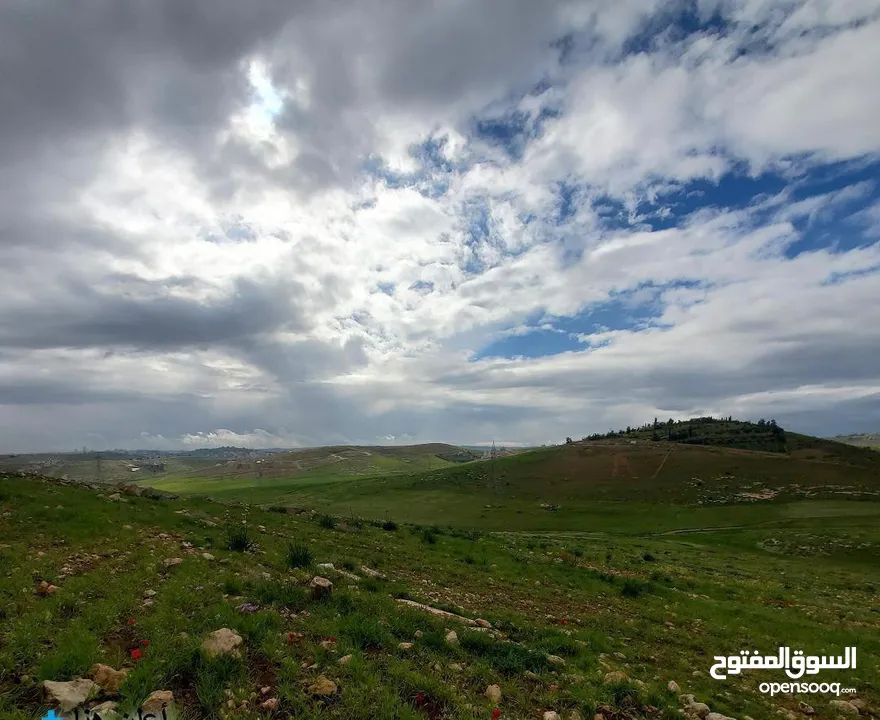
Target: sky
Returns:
[282, 224]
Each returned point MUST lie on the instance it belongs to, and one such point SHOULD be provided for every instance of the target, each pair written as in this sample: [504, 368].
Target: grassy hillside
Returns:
[567, 610]
[267, 478]
[580, 485]
[868, 440]
[762, 435]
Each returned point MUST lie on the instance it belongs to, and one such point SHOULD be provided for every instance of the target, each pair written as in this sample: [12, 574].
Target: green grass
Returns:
[800, 572]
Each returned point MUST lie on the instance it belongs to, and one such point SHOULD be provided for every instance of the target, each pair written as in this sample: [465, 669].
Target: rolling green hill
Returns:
[264, 479]
[744, 435]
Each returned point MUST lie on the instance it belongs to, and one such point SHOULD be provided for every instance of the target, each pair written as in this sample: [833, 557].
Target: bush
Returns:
[280, 509]
[647, 557]
[428, 537]
[327, 521]
[298, 555]
[238, 538]
[634, 588]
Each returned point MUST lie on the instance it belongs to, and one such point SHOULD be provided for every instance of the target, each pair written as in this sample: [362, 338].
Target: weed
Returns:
[298, 555]
[327, 521]
[633, 588]
[648, 557]
[238, 538]
[389, 525]
[428, 537]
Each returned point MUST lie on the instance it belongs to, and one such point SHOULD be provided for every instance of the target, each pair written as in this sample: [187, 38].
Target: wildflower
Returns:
[131, 621]
[420, 699]
[136, 654]
[145, 643]
[496, 713]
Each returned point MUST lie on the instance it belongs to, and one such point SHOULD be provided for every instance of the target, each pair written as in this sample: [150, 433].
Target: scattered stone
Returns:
[717, 716]
[456, 667]
[109, 679]
[265, 690]
[483, 623]
[322, 686]
[805, 708]
[844, 706]
[149, 593]
[555, 660]
[614, 677]
[697, 708]
[320, 587]
[172, 562]
[69, 695]
[222, 642]
[45, 589]
[437, 612]
[325, 566]
[345, 659]
[207, 556]
[270, 704]
[157, 700]
[493, 692]
[105, 711]
[405, 646]
[418, 633]
[452, 638]
[551, 715]
[329, 645]
[115, 497]
[673, 686]
[375, 574]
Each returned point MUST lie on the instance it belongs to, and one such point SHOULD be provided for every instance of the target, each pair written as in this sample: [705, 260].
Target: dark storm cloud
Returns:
[70, 70]
[147, 316]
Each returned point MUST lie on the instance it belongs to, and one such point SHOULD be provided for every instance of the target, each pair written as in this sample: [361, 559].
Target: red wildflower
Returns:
[563, 621]
[496, 713]
[145, 643]
[420, 699]
[131, 621]
[136, 654]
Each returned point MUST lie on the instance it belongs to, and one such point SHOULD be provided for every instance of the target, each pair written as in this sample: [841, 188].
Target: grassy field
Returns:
[573, 487]
[566, 607]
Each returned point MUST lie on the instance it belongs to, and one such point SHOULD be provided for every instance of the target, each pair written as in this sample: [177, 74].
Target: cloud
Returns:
[301, 224]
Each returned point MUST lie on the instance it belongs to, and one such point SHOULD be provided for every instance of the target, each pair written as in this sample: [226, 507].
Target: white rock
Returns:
[222, 642]
[109, 679]
[555, 660]
[844, 706]
[157, 700]
[614, 677]
[493, 692]
[452, 638]
[673, 686]
[68, 695]
[321, 587]
[551, 715]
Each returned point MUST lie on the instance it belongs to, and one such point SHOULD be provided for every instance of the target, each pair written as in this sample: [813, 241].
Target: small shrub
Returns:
[238, 538]
[389, 525]
[647, 557]
[348, 565]
[428, 537]
[468, 559]
[577, 552]
[280, 509]
[298, 555]
[634, 588]
[327, 521]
